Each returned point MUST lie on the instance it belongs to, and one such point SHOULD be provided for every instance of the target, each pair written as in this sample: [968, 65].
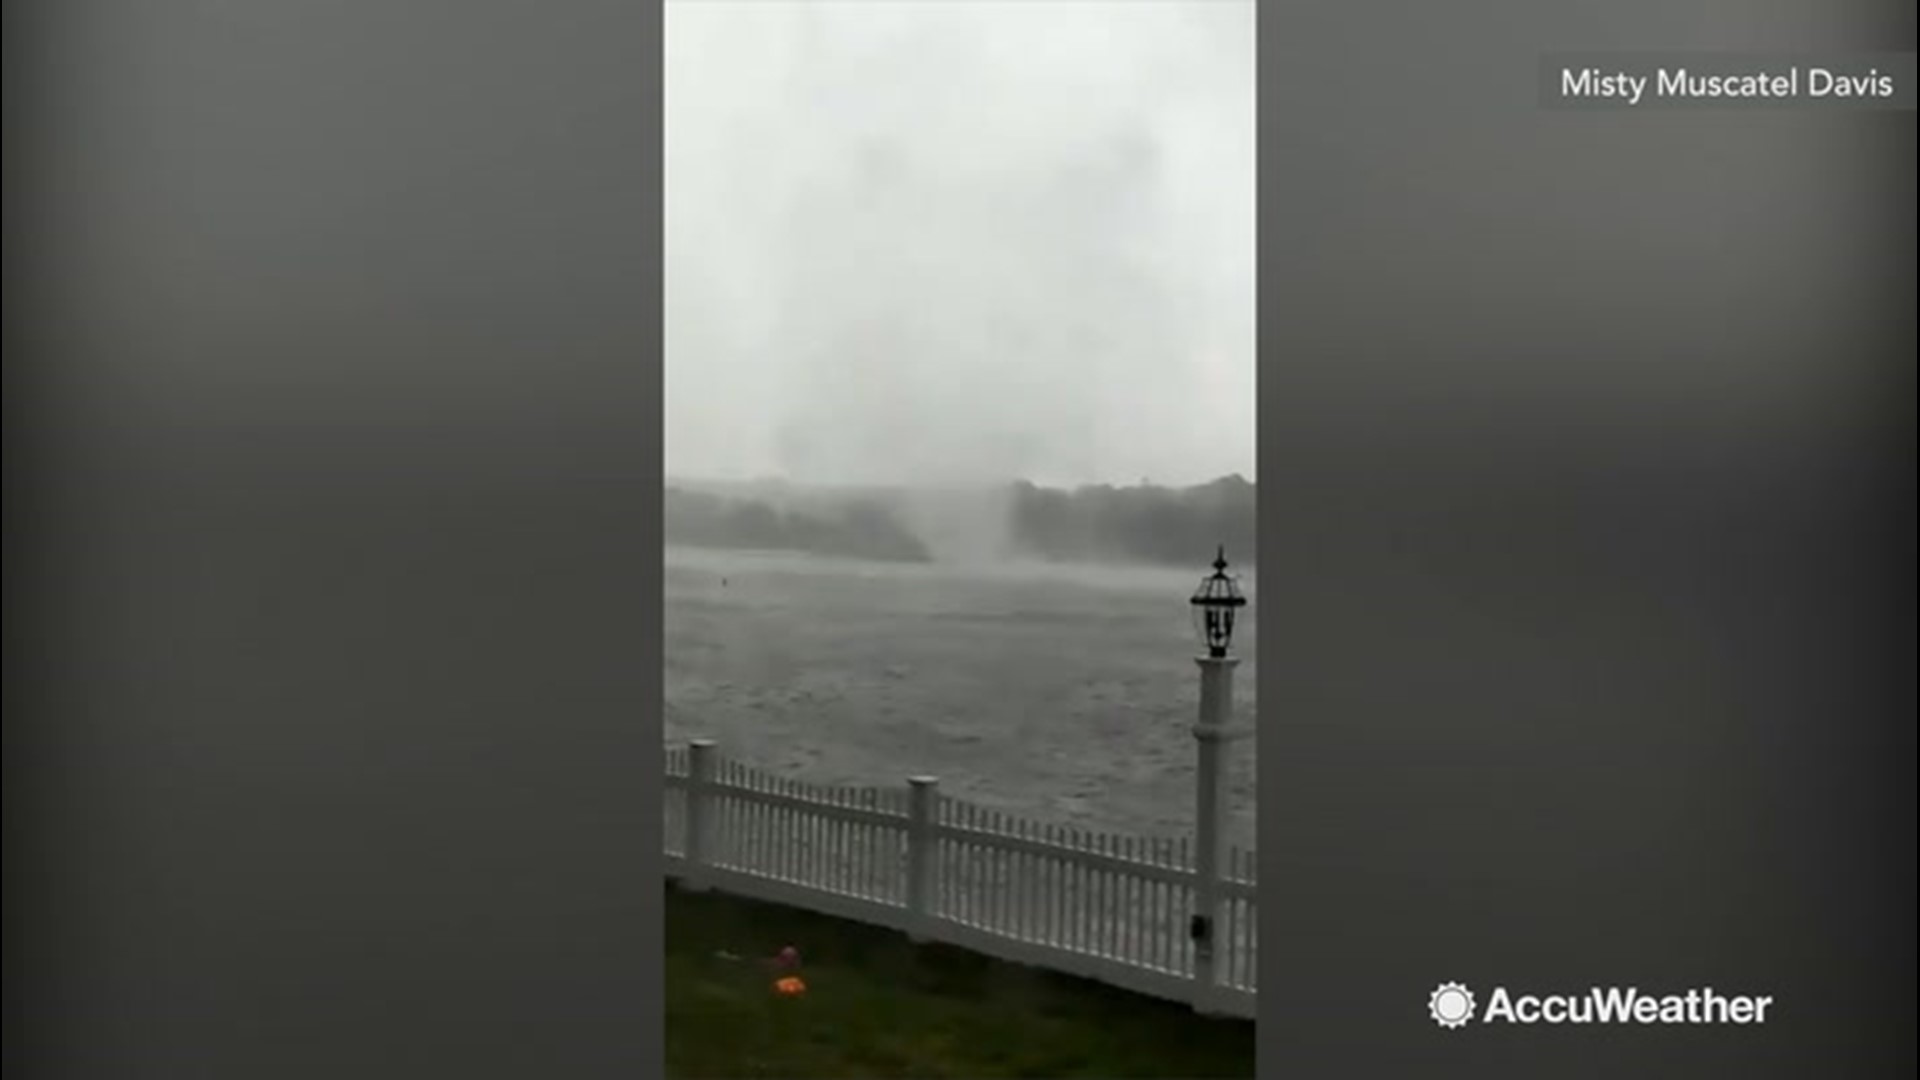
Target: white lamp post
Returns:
[1215, 605]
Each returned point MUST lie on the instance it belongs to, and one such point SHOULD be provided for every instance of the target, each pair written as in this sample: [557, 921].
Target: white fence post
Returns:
[1211, 733]
[922, 791]
[699, 778]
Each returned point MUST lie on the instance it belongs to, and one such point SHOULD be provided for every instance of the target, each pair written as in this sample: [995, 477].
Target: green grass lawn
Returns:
[878, 1005]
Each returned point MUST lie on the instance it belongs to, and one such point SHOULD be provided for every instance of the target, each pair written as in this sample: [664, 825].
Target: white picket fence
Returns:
[1116, 909]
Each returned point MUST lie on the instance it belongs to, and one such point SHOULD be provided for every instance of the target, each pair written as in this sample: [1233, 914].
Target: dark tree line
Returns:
[1146, 523]
[862, 529]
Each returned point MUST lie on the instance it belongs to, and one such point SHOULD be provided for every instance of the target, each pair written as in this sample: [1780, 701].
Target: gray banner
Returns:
[1873, 82]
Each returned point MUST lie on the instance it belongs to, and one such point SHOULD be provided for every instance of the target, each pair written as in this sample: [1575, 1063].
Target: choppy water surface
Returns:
[1059, 693]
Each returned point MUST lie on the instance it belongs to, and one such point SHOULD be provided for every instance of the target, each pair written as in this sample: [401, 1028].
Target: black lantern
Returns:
[1214, 605]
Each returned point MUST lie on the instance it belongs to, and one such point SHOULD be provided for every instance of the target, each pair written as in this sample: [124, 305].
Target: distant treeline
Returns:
[1174, 526]
[1143, 524]
[863, 529]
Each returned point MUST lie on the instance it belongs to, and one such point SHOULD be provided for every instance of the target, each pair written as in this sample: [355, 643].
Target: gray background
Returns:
[333, 742]
[331, 739]
[1587, 441]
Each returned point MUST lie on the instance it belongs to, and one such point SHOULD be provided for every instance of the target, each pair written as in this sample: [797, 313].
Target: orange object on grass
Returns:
[791, 986]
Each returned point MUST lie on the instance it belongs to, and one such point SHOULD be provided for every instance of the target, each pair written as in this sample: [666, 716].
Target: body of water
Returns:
[1059, 693]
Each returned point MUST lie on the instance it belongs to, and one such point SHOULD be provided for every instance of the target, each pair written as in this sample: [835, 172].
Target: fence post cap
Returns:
[703, 744]
[923, 781]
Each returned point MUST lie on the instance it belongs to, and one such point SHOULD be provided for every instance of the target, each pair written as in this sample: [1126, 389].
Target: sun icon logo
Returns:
[1451, 1005]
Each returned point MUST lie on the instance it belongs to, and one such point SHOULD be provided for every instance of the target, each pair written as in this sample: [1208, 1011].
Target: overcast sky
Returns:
[960, 241]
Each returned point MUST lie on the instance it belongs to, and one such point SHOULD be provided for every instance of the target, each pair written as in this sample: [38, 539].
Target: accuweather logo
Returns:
[1453, 1006]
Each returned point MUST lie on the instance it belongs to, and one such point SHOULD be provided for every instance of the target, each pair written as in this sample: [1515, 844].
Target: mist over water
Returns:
[940, 244]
